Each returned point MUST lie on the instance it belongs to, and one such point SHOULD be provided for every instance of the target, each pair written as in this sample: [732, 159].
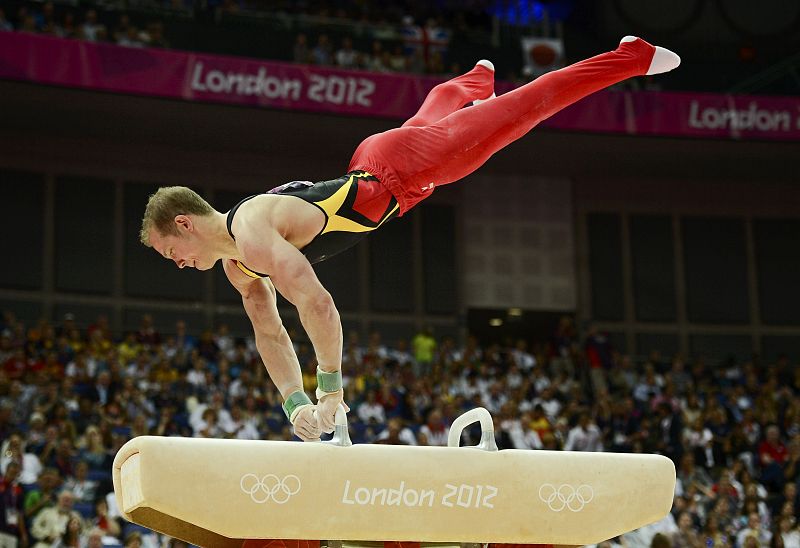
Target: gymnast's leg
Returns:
[450, 96]
[459, 143]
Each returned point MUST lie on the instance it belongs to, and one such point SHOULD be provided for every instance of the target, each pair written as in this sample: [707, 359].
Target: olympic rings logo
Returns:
[270, 487]
[566, 496]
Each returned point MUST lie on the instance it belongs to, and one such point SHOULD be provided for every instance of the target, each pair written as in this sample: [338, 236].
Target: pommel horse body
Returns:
[216, 493]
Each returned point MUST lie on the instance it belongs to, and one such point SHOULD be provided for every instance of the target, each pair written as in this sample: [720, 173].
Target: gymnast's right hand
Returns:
[305, 423]
[300, 412]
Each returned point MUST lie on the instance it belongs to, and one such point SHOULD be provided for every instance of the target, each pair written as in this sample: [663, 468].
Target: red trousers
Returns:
[444, 142]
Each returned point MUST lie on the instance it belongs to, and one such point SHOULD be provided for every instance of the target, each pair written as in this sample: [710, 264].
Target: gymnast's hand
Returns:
[305, 425]
[327, 404]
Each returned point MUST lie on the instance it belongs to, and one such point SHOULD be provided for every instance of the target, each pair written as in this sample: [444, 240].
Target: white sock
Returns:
[486, 63]
[664, 60]
[489, 65]
[479, 101]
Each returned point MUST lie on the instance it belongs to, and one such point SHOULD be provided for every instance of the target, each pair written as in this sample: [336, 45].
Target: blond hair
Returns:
[165, 204]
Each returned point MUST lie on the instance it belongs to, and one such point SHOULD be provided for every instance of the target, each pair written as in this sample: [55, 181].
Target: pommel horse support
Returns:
[215, 493]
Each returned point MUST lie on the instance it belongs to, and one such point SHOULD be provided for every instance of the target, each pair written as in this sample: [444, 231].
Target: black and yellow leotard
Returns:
[354, 205]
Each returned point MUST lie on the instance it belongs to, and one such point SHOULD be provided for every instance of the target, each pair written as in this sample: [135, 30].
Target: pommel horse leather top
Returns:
[215, 493]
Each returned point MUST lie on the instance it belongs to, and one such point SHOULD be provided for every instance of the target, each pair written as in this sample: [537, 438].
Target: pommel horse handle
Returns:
[341, 436]
[479, 414]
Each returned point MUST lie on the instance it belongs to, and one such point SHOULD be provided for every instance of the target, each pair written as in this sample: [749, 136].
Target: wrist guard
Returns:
[329, 382]
[294, 402]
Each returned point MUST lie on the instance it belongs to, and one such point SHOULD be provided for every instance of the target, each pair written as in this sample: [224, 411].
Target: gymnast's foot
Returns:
[489, 66]
[664, 60]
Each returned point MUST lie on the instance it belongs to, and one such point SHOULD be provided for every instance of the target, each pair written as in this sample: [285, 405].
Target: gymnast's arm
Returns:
[294, 277]
[272, 340]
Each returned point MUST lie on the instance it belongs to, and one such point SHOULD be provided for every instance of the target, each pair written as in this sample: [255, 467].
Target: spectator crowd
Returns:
[45, 18]
[393, 41]
[411, 49]
[71, 396]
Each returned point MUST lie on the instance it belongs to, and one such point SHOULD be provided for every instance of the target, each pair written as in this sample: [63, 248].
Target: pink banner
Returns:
[233, 80]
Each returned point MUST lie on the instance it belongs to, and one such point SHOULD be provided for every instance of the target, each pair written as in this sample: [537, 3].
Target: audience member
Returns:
[301, 51]
[121, 30]
[5, 24]
[754, 530]
[91, 30]
[322, 54]
[434, 431]
[396, 434]
[374, 61]
[42, 494]
[72, 534]
[423, 343]
[13, 531]
[346, 56]
[13, 449]
[83, 488]
[47, 24]
[50, 524]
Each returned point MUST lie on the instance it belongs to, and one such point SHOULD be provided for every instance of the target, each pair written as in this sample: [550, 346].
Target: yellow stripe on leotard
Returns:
[332, 205]
[246, 270]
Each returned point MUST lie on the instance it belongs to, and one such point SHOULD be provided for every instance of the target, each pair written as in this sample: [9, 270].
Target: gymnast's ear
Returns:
[184, 223]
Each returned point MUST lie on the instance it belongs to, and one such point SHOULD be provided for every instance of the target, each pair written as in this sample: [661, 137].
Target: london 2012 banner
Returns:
[258, 83]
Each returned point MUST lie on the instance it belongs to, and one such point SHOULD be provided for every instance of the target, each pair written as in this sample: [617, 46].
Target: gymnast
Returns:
[268, 242]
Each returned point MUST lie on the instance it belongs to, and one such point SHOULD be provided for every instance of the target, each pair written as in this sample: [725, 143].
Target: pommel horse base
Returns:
[217, 493]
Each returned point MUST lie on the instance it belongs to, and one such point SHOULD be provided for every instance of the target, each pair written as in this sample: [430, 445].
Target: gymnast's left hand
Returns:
[327, 404]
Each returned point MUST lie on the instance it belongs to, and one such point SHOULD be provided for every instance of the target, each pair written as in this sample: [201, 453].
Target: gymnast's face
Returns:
[186, 249]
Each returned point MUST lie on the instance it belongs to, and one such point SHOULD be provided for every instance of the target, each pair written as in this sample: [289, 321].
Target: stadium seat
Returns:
[85, 509]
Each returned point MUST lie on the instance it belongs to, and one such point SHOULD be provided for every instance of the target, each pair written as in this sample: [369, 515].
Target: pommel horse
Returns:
[217, 493]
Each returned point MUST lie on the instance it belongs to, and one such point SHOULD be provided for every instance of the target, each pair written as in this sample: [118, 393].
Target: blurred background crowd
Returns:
[72, 394]
[350, 35]
[750, 53]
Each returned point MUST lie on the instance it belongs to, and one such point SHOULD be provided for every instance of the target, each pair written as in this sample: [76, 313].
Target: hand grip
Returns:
[341, 436]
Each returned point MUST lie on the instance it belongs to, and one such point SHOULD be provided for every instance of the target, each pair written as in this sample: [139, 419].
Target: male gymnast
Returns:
[269, 241]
